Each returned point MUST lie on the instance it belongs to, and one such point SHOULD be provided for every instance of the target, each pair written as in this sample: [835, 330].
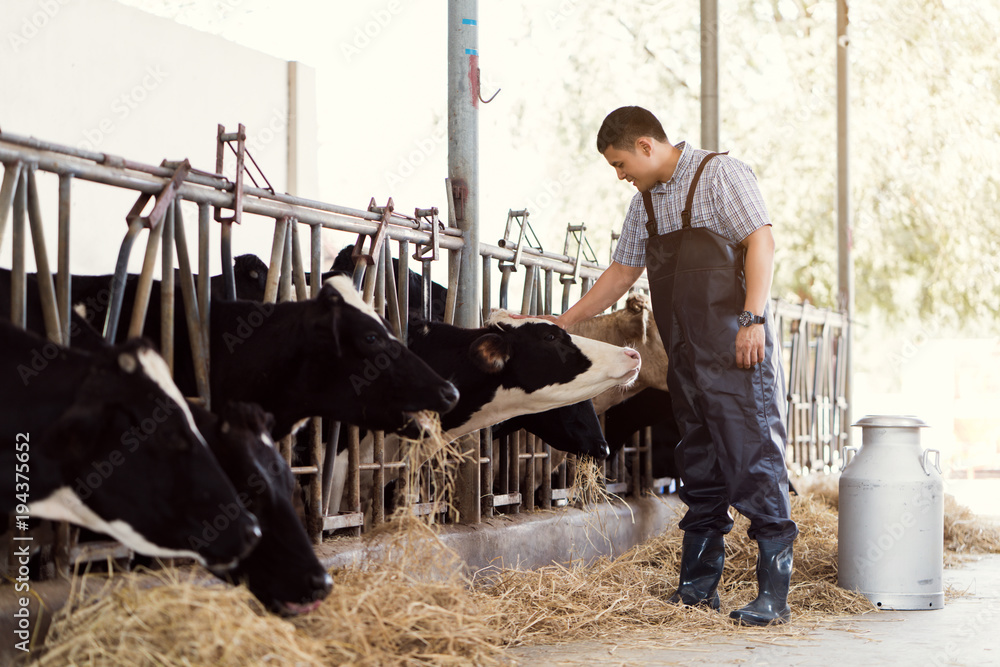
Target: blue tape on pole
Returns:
[471, 52]
[468, 21]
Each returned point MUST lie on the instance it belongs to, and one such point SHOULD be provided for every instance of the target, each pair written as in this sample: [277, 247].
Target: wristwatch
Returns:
[746, 318]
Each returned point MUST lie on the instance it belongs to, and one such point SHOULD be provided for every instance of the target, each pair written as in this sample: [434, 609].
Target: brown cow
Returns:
[633, 326]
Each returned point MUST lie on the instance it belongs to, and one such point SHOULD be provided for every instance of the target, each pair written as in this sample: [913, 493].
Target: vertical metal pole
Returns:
[11, 176]
[204, 298]
[145, 283]
[403, 289]
[167, 289]
[710, 75]
[285, 286]
[46, 290]
[192, 312]
[463, 148]
[845, 261]
[64, 281]
[18, 276]
[228, 279]
[274, 267]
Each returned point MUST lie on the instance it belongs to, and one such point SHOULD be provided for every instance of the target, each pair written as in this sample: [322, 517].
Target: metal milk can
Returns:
[891, 530]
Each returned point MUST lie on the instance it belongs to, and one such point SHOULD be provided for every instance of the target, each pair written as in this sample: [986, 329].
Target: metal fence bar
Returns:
[64, 280]
[46, 289]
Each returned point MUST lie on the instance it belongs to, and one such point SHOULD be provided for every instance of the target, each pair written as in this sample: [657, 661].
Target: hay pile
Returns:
[410, 605]
[630, 592]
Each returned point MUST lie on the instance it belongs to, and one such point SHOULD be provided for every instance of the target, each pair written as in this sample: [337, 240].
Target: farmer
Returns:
[699, 227]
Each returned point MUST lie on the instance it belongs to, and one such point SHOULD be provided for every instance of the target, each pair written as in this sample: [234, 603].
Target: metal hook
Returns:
[479, 79]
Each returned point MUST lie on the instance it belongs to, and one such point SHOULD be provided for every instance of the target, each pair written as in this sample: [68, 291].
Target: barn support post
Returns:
[845, 260]
[463, 149]
[710, 75]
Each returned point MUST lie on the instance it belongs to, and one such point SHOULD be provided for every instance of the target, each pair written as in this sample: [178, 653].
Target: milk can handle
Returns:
[843, 456]
[937, 461]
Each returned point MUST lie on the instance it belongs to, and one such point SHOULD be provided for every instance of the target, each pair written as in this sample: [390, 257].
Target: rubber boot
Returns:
[774, 574]
[702, 557]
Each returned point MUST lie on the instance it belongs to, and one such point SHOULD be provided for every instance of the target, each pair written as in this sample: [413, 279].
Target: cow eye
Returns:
[550, 337]
[371, 338]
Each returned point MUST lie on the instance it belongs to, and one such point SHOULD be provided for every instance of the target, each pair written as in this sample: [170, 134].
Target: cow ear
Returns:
[490, 353]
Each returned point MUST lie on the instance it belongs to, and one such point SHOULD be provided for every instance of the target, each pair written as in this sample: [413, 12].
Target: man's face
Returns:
[634, 166]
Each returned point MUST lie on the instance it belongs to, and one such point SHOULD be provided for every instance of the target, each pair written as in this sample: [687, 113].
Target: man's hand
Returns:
[750, 346]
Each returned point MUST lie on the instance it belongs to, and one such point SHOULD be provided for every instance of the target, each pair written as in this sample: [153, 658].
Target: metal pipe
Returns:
[710, 75]
[204, 282]
[274, 266]
[118, 281]
[463, 150]
[214, 181]
[192, 311]
[11, 176]
[391, 296]
[487, 289]
[167, 289]
[298, 270]
[145, 285]
[328, 461]
[845, 260]
[18, 279]
[64, 281]
[403, 290]
[285, 285]
[316, 259]
[228, 279]
[529, 287]
[451, 304]
[46, 289]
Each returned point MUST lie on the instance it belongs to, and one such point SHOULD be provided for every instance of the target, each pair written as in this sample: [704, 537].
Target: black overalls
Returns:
[731, 420]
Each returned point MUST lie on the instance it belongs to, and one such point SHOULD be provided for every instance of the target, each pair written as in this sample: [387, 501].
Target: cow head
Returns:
[569, 368]
[134, 466]
[373, 380]
[574, 429]
[282, 571]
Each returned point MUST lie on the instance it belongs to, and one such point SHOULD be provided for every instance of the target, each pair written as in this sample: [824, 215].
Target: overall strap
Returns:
[647, 201]
[686, 213]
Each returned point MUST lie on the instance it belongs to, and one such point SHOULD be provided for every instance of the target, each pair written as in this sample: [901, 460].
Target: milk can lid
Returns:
[891, 421]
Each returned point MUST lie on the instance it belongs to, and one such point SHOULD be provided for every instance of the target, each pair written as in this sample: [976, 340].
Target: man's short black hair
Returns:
[624, 125]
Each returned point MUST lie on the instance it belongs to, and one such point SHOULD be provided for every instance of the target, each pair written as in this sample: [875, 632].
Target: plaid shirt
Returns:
[727, 201]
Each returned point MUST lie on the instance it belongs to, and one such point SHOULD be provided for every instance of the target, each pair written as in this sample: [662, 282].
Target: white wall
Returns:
[99, 75]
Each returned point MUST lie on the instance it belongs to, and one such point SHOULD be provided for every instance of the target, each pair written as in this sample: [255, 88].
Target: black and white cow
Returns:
[512, 367]
[282, 571]
[517, 366]
[106, 441]
[331, 356]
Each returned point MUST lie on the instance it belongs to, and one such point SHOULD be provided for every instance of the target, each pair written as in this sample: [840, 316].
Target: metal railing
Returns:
[501, 476]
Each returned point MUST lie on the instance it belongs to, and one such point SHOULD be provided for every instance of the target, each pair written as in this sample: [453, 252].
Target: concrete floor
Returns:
[965, 632]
